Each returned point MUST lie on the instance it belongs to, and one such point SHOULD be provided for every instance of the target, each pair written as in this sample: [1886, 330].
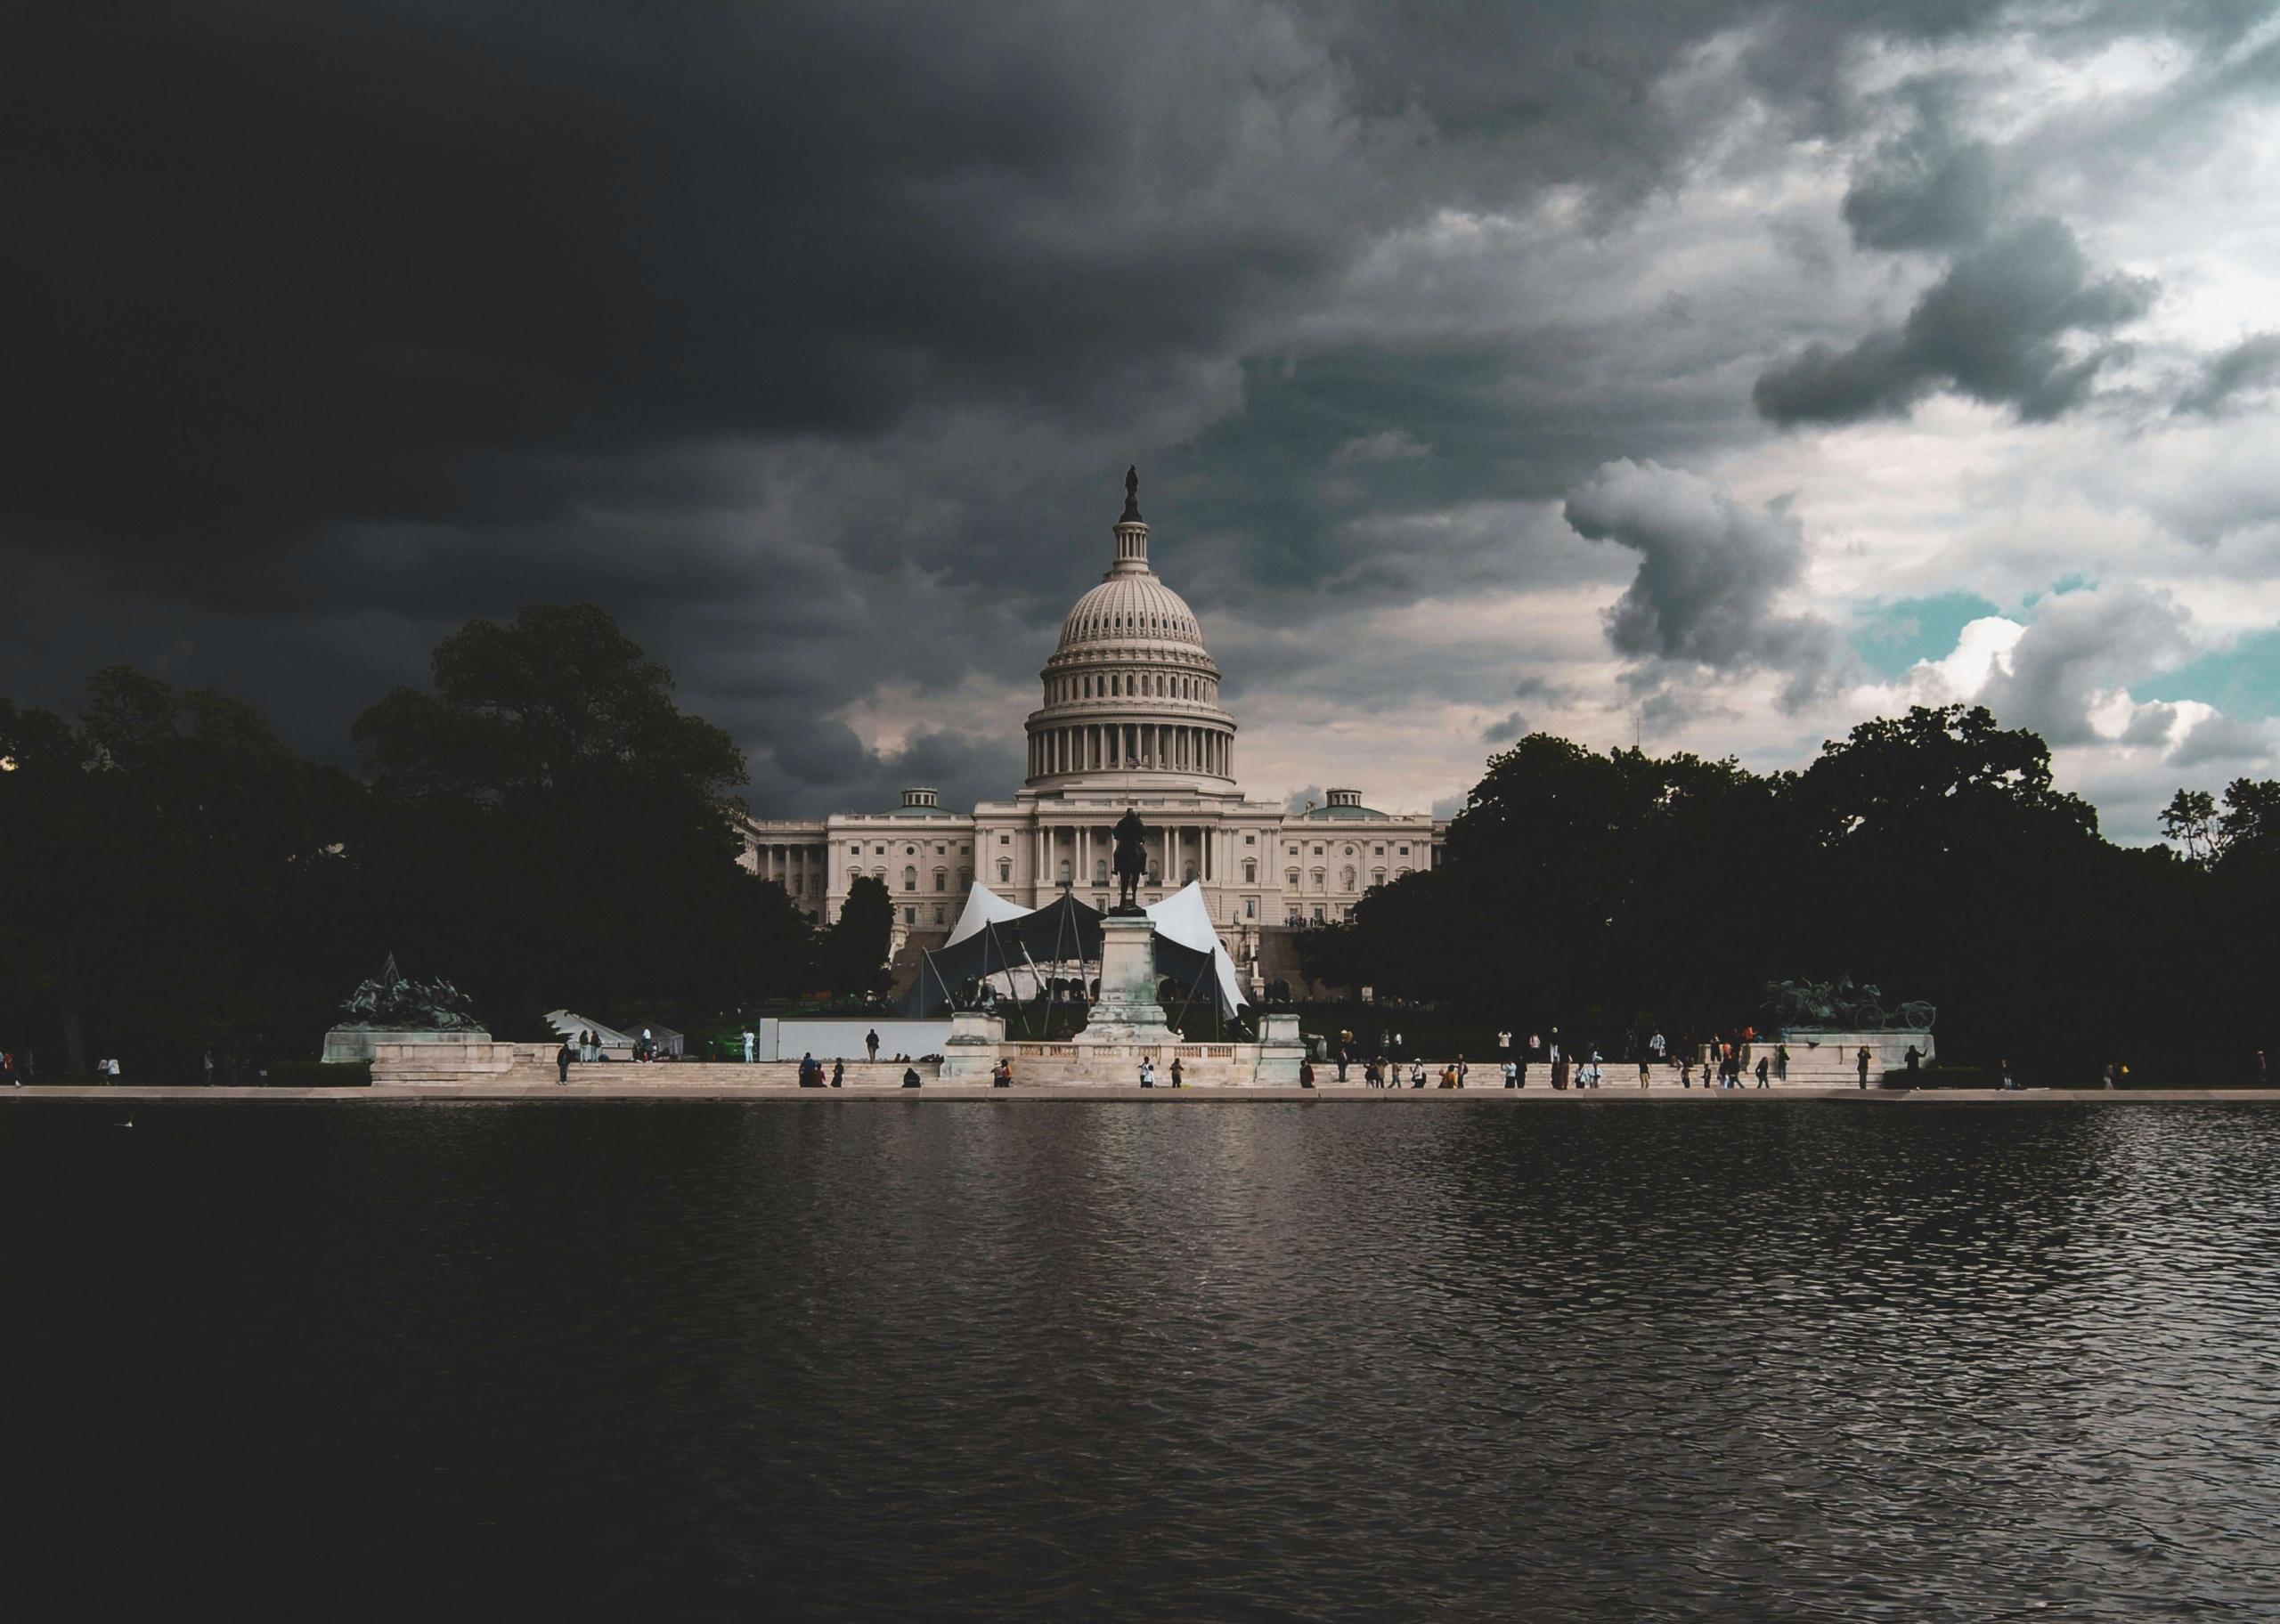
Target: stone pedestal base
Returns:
[358, 1043]
[1280, 1051]
[1127, 1011]
[976, 1042]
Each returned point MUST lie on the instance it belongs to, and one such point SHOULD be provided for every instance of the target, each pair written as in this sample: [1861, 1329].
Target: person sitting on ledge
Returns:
[1306, 1074]
[909, 1077]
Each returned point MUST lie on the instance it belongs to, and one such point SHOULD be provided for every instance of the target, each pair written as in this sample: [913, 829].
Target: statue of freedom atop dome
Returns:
[1131, 860]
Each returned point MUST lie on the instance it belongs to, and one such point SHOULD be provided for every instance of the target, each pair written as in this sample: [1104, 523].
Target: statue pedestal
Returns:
[971, 1051]
[357, 1043]
[1127, 1011]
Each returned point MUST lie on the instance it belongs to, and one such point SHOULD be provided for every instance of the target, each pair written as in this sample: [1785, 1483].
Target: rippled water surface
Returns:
[871, 1360]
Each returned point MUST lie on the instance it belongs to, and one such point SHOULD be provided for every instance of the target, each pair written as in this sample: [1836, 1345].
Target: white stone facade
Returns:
[1130, 718]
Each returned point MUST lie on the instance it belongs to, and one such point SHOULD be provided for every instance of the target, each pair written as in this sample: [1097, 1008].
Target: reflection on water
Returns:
[877, 1361]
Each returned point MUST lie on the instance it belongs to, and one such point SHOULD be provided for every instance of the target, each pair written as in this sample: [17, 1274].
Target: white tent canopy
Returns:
[1181, 920]
[983, 907]
[1184, 917]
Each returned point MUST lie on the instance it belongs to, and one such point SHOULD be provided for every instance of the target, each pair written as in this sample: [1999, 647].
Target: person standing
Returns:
[1462, 1071]
[1344, 1055]
[1559, 1071]
[1861, 1064]
[1685, 1069]
[1511, 1075]
[1306, 1074]
[1177, 1073]
[1503, 1042]
[1912, 1059]
[1148, 1072]
[1764, 1067]
[562, 1065]
[1781, 1061]
[1417, 1075]
[1643, 1054]
[1396, 1045]
[838, 1071]
[1657, 1047]
[205, 1068]
[752, 1041]
[2003, 1072]
[871, 1044]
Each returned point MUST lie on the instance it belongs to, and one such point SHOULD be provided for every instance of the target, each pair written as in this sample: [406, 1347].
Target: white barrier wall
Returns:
[842, 1040]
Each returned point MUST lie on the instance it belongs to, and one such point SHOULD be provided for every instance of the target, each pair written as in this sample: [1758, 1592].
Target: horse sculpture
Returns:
[1131, 860]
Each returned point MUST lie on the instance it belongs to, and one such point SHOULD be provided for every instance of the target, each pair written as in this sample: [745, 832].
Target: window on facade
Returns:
[1318, 913]
[937, 916]
[910, 851]
[1377, 876]
[1065, 875]
[1004, 870]
[1251, 871]
[909, 879]
[1317, 851]
[942, 879]
[879, 851]
[1005, 839]
[1251, 908]
[1398, 872]
[1378, 851]
[1251, 839]
[910, 916]
[1319, 877]
[1294, 851]
[1404, 851]
[1345, 878]
[1100, 871]
[1290, 878]
[965, 878]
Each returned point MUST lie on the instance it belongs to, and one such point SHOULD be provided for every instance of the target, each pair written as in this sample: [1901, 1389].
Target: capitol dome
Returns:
[1131, 693]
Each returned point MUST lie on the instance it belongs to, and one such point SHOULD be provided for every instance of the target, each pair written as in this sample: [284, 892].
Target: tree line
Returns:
[1928, 854]
[542, 826]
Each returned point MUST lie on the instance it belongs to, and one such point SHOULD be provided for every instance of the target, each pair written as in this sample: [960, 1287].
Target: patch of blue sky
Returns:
[1890, 637]
[2076, 582]
[2242, 681]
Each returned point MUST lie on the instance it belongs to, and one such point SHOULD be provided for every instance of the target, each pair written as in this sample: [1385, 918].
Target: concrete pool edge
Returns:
[960, 1093]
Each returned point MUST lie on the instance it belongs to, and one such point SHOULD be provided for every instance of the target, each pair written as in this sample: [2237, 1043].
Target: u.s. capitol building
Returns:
[1131, 717]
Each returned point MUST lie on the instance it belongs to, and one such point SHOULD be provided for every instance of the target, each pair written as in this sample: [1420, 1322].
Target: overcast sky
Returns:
[1712, 372]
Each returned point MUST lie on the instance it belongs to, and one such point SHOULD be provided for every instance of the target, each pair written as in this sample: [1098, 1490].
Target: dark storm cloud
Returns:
[1711, 573]
[2250, 366]
[811, 338]
[1928, 188]
[2022, 321]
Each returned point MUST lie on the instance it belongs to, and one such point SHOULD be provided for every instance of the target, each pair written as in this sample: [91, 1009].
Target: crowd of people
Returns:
[1723, 1061]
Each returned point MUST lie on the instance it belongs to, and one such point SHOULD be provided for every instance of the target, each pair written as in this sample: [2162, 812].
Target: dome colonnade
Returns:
[1131, 693]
